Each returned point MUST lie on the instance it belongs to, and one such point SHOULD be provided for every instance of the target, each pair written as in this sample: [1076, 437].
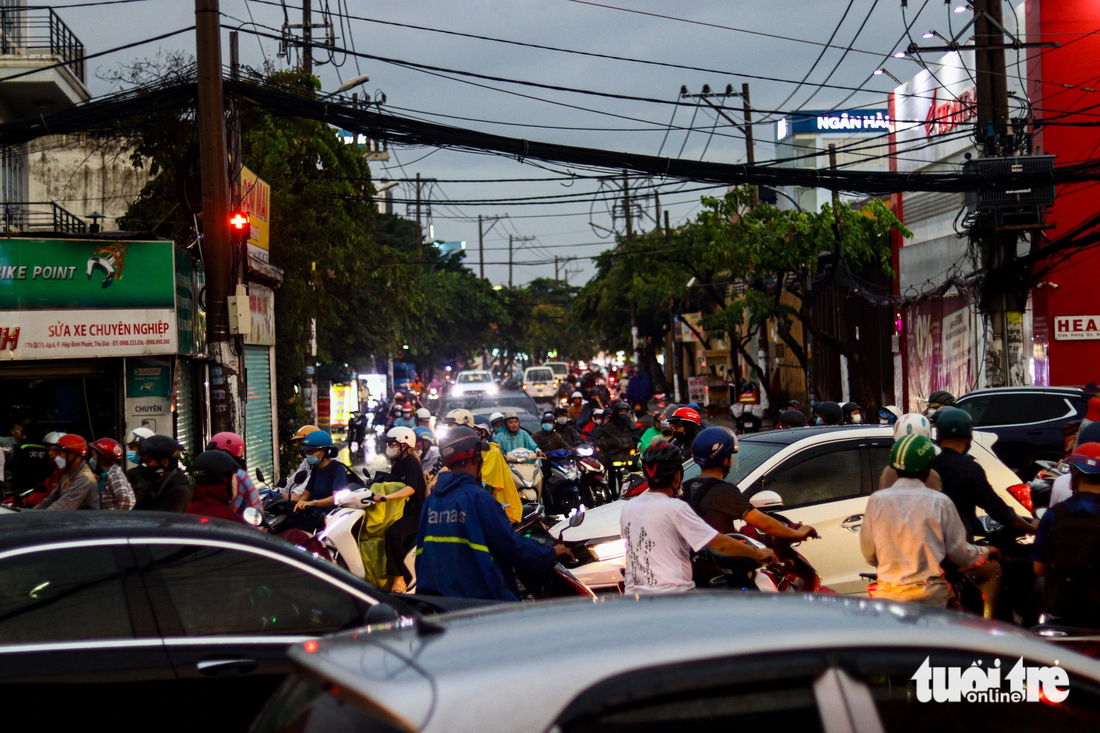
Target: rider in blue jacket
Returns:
[466, 546]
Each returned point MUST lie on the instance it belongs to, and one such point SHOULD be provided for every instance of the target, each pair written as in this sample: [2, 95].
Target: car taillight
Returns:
[1022, 494]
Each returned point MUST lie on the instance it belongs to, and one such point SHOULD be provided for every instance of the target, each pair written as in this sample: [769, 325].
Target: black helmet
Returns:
[159, 446]
[560, 410]
[461, 444]
[793, 418]
[941, 397]
[619, 405]
[548, 415]
[213, 467]
[848, 408]
[661, 462]
[830, 412]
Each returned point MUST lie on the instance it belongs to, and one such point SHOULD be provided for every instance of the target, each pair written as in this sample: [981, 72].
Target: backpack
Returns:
[1072, 557]
[697, 489]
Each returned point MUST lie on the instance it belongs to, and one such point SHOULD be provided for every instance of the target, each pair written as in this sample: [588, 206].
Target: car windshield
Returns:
[474, 377]
[540, 375]
[750, 456]
[518, 403]
[459, 402]
[561, 369]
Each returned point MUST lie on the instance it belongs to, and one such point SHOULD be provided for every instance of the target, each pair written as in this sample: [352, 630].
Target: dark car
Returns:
[1028, 422]
[502, 401]
[154, 620]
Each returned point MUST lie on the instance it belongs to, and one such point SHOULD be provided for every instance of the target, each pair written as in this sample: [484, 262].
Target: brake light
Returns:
[1022, 494]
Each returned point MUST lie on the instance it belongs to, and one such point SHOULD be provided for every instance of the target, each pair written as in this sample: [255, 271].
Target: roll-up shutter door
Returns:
[258, 416]
[185, 406]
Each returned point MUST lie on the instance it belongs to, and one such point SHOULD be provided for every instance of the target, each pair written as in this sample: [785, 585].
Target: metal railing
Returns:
[21, 216]
[39, 31]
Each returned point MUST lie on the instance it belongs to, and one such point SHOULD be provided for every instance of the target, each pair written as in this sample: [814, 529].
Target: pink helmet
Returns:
[231, 443]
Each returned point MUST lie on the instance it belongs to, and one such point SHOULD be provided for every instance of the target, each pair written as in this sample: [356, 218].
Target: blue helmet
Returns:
[317, 439]
[712, 446]
[423, 433]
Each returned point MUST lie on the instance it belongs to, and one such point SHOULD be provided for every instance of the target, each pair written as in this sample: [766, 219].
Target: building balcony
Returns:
[46, 59]
[20, 217]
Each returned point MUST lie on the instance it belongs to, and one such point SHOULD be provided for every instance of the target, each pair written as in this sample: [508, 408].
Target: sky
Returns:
[722, 36]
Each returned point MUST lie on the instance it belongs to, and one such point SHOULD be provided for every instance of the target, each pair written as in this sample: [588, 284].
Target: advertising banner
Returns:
[261, 301]
[77, 298]
[697, 390]
[940, 345]
[149, 394]
[256, 200]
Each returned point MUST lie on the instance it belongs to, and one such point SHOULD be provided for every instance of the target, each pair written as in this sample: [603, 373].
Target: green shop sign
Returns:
[47, 274]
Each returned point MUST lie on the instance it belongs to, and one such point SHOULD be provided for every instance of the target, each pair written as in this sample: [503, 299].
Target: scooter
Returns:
[342, 526]
[527, 474]
[559, 582]
[562, 495]
[593, 480]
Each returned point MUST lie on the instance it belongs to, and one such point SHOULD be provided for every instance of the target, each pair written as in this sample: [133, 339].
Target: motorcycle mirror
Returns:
[577, 517]
[260, 476]
[253, 516]
[339, 496]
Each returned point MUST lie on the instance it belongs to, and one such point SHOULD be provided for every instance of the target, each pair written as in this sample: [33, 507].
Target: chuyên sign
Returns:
[63, 299]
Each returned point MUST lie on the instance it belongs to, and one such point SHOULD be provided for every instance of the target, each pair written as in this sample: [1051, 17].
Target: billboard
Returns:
[255, 197]
[64, 299]
[825, 122]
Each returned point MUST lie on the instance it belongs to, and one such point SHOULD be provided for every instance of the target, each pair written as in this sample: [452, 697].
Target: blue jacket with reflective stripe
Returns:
[466, 546]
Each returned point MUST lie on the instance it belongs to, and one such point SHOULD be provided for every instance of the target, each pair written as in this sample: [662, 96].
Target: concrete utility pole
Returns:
[750, 149]
[509, 260]
[419, 231]
[633, 304]
[216, 241]
[307, 36]
[481, 245]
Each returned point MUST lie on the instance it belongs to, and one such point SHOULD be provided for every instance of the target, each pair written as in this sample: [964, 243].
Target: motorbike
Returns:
[593, 479]
[527, 474]
[562, 495]
[559, 582]
[435, 397]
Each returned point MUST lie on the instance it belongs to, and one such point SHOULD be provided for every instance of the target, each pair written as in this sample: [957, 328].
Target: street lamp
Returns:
[884, 71]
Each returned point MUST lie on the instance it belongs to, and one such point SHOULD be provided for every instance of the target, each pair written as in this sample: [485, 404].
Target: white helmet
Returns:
[138, 434]
[423, 414]
[576, 395]
[461, 417]
[52, 438]
[402, 435]
[496, 416]
[912, 423]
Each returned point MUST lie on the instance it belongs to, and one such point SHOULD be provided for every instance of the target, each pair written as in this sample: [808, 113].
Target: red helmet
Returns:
[231, 443]
[686, 414]
[73, 444]
[1086, 458]
[108, 448]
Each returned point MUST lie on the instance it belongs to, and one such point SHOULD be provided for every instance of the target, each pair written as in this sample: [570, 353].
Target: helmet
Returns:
[317, 439]
[213, 467]
[73, 444]
[912, 454]
[496, 416]
[559, 410]
[137, 435]
[890, 414]
[398, 395]
[407, 408]
[848, 408]
[461, 417]
[401, 435]
[912, 423]
[304, 431]
[548, 415]
[509, 415]
[159, 446]
[941, 397]
[231, 443]
[793, 418]
[951, 422]
[669, 410]
[108, 448]
[661, 462]
[423, 414]
[51, 438]
[1089, 434]
[422, 433]
[576, 395]
[713, 446]
[598, 412]
[830, 412]
[461, 444]
[1086, 458]
[794, 405]
[686, 414]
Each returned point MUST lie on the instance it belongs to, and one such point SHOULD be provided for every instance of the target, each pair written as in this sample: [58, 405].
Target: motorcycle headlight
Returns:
[571, 473]
[585, 450]
[610, 550]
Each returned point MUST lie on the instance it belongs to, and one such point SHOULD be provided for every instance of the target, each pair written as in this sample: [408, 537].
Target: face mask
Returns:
[818, 421]
[61, 462]
[392, 451]
[857, 419]
[132, 456]
[548, 426]
[561, 420]
[152, 473]
[313, 460]
[93, 463]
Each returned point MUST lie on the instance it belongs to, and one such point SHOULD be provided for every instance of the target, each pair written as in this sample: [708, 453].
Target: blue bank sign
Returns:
[848, 122]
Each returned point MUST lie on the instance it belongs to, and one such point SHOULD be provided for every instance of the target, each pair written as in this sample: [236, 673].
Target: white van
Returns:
[539, 383]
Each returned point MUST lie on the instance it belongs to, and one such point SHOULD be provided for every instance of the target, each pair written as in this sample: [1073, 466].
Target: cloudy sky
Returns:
[735, 40]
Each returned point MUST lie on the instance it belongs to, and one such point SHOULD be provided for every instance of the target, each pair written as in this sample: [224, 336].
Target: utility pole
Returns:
[745, 128]
[419, 230]
[216, 241]
[629, 241]
[750, 151]
[626, 207]
[509, 260]
[481, 245]
[557, 278]
[236, 191]
[307, 37]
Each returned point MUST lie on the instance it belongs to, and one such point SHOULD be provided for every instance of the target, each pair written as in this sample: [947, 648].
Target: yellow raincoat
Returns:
[372, 533]
[496, 474]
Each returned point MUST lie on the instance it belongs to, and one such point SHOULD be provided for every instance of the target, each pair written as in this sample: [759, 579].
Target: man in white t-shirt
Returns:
[661, 531]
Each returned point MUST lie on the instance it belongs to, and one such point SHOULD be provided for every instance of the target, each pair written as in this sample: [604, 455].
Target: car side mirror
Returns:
[766, 500]
[381, 613]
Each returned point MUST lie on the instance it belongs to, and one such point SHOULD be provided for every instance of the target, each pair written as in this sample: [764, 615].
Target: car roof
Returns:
[468, 656]
[1075, 391]
[789, 436]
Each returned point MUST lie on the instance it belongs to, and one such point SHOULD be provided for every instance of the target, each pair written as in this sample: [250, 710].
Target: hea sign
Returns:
[1077, 328]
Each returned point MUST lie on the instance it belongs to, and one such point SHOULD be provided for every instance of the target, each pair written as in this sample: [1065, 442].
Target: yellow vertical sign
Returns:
[256, 200]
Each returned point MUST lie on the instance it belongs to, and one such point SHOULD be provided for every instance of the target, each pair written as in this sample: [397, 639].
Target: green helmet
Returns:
[951, 422]
[912, 454]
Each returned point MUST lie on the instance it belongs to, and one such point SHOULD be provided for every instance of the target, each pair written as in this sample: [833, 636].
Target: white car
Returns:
[539, 383]
[473, 382]
[824, 476]
[559, 368]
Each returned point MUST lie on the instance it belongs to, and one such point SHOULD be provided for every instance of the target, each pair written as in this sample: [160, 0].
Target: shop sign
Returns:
[689, 326]
[255, 196]
[79, 298]
[149, 394]
[190, 320]
[342, 401]
[853, 122]
[697, 390]
[261, 301]
[1076, 328]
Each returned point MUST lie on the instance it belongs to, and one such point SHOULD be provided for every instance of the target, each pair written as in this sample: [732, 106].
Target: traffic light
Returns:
[239, 227]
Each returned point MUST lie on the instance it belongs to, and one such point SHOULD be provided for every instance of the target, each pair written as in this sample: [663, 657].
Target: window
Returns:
[825, 477]
[474, 378]
[977, 407]
[221, 591]
[880, 459]
[1050, 407]
[520, 403]
[750, 456]
[62, 595]
[1015, 408]
[540, 375]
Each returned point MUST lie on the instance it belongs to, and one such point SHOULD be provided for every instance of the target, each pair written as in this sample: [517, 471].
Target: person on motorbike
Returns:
[548, 439]
[565, 428]
[428, 454]
[245, 494]
[912, 424]
[661, 427]
[853, 415]
[406, 420]
[357, 435]
[511, 436]
[326, 477]
[496, 422]
[405, 468]
[115, 491]
[791, 419]
[616, 441]
[828, 413]
[133, 445]
[938, 400]
[423, 418]
[495, 473]
[720, 503]
[908, 529]
[216, 474]
[888, 415]
[686, 424]
[1065, 553]
[466, 546]
[160, 484]
[576, 406]
[296, 482]
[662, 532]
[77, 487]
[596, 420]
[31, 464]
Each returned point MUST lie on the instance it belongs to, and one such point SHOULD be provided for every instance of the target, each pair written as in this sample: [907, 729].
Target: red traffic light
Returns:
[239, 221]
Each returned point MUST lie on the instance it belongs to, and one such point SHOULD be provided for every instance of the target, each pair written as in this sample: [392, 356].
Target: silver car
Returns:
[707, 661]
